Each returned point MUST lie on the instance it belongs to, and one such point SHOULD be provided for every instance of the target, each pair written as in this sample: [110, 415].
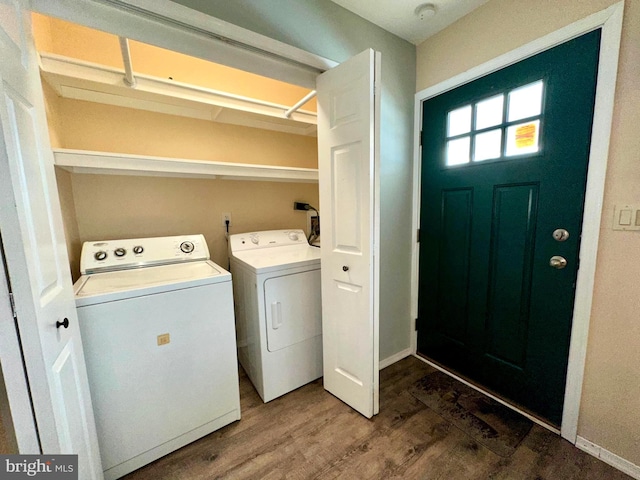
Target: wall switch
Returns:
[164, 339]
[626, 217]
[225, 217]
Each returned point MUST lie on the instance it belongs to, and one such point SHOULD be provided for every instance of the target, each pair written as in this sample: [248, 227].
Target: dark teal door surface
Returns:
[504, 166]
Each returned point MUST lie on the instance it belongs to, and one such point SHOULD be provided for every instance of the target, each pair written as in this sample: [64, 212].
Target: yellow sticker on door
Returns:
[526, 136]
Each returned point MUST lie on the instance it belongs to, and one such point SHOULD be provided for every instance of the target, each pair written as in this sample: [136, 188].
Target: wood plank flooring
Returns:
[309, 434]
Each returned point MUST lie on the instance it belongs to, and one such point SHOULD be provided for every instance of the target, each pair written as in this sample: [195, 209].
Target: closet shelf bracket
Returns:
[300, 103]
[129, 78]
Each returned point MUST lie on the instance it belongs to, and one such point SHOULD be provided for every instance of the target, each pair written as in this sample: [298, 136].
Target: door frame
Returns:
[610, 20]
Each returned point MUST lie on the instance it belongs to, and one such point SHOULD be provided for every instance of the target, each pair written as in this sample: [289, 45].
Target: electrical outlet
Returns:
[225, 217]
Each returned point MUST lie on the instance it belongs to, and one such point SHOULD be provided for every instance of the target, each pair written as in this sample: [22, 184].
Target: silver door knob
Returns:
[558, 262]
[560, 235]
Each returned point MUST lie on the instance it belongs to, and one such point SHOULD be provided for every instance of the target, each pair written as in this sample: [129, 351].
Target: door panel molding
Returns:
[453, 303]
[507, 341]
[610, 20]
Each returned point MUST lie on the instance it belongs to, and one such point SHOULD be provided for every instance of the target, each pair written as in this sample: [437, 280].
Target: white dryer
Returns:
[276, 280]
[156, 318]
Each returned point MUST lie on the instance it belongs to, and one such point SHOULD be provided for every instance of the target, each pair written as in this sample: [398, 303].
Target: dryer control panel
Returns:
[267, 239]
[110, 255]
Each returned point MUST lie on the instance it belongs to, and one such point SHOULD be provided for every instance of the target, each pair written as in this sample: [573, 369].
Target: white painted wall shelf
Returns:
[106, 163]
[80, 80]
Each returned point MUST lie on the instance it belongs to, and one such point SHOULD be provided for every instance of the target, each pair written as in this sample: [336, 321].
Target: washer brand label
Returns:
[51, 467]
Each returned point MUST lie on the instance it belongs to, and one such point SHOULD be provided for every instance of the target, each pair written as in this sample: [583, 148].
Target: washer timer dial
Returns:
[120, 252]
[187, 247]
[100, 255]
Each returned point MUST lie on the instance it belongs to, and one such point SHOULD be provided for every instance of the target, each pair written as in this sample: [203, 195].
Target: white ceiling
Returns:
[399, 18]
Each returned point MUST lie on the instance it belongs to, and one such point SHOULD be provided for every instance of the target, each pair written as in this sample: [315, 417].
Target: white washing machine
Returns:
[157, 325]
[276, 280]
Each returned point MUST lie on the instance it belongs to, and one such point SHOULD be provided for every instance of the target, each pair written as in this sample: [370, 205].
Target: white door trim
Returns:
[181, 29]
[610, 20]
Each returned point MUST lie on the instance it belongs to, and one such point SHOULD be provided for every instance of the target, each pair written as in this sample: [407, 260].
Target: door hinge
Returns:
[415, 325]
[13, 305]
[420, 137]
[418, 236]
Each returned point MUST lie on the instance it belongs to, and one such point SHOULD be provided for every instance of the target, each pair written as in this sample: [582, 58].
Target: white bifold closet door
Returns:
[348, 152]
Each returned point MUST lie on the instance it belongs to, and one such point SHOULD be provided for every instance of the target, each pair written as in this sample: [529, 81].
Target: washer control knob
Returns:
[255, 240]
[101, 255]
[187, 247]
[293, 236]
[138, 249]
[120, 252]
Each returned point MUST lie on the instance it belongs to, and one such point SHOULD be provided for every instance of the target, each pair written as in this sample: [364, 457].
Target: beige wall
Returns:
[610, 410]
[93, 126]
[111, 207]
[64, 38]
[69, 220]
[52, 107]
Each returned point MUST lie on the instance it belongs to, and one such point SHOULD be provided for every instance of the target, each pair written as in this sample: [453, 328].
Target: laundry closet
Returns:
[160, 157]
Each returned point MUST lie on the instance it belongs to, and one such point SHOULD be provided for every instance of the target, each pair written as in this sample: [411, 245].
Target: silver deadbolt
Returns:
[560, 234]
[558, 262]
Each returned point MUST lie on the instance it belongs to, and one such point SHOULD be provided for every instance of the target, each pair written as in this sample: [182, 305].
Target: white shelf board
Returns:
[106, 163]
[80, 80]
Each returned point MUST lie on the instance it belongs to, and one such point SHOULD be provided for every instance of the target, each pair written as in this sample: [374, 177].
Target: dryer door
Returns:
[293, 309]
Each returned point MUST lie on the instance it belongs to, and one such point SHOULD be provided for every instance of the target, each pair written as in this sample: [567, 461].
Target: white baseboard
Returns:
[608, 457]
[395, 358]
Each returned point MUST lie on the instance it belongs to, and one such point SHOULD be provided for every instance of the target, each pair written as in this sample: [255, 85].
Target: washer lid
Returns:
[278, 258]
[110, 286]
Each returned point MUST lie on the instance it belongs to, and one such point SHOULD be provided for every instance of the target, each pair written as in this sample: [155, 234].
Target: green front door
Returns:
[504, 168]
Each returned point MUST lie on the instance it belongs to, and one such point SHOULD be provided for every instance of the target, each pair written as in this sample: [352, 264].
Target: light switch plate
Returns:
[626, 217]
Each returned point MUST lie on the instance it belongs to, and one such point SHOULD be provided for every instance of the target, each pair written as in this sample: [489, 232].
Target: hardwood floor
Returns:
[309, 434]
